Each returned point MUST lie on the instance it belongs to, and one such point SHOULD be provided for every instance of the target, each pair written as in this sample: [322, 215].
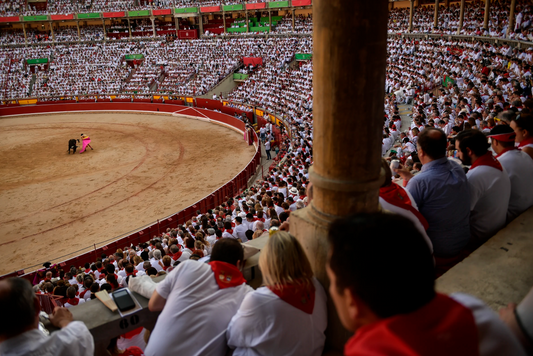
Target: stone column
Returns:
[153, 25]
[129, 28]
[411, 14]
[201, 23]
[52, 30]
[105, 34]
[224, 20]
[350, 45]
[436, 17]
[247, 23]
[486, 19]
[78, 26]
[270, 20]
[510, 29]
[25, 35]
[293, 21]
[461, 17]
[177, 24]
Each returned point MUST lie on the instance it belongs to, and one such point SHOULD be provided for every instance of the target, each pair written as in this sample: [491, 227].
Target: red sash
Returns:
[299, 296]
[226, 275]
[487, 160]
[397, 196]
[440, 328]
[525, 142]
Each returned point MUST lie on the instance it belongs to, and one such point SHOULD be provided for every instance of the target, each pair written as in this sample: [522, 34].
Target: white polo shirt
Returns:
[196, 314]
[519, 167]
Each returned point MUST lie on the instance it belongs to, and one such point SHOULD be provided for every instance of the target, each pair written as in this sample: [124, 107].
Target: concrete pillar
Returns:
[52, 30]
[25, 35]
[129, 28]
[350, 45]
[486, 19]
[224, 21]
[411, 14]
[247, 23]
[293, 19]
[177, 24]
[511, 18]
[270, 20]
[461, 17]
[105, 34]
[201, 23]
[153, 25]
[436, 17]
[79, 33]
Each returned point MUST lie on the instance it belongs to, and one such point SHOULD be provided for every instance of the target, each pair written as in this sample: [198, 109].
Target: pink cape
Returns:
[85, 143]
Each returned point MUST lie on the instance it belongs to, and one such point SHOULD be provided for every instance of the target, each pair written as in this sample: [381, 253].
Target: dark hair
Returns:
[238, 219]
[189, 242]
[525, 122]
[473, 139]
[384, 260]
[433, 142]
[110, 268]
[283, 216]
[227, 250]
[18, 307]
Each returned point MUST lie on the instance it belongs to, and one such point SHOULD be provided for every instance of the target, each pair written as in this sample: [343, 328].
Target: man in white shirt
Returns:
[240, 229]
[20, 334]
[198, 301]
[490, 187]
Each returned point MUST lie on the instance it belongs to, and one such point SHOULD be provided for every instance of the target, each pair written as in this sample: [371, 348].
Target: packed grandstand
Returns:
[454, 83]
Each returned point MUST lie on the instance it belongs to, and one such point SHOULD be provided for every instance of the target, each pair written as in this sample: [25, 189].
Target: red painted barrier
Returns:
[260, 5]
[210, 9]
[237, 184]
[301, 2]
[62, 17]
[10, 19]
[187, 34]
[161, 12]
[114, 14]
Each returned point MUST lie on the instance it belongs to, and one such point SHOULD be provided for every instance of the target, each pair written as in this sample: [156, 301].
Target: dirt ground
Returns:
[143, 167]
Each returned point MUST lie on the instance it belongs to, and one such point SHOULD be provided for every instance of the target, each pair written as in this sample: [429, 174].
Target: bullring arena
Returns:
[143, 167]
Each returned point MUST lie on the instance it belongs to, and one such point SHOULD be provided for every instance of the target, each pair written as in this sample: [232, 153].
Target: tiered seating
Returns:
[66, 34]
[12, 7]
[91, 33]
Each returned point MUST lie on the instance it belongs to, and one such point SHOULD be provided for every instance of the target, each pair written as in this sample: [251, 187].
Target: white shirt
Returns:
[196, 314]
[519, 167]
[267, 325]
[490, 190]
[73, 340]
[240, 232]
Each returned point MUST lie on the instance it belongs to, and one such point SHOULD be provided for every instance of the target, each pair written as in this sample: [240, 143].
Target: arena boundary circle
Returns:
[238, 183]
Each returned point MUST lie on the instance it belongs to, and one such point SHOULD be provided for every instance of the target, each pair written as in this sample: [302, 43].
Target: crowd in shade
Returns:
[473, 21]
[458, 169]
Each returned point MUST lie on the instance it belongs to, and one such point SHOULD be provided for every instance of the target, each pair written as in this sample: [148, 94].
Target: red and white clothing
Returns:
[274, 322]
[526, 143]
[519, 167]
[201, 299]
[460, 325]
[72, 302]
[398, 200]
[490, 191]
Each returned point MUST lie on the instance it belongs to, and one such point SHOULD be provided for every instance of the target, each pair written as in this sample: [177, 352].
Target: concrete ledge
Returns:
[501, 270]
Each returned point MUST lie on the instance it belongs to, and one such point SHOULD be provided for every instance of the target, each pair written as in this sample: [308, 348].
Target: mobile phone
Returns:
[123, 300]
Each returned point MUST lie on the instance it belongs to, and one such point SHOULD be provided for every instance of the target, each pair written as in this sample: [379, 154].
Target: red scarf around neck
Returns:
[397, 196]
[72, 301]
[527, 141]
[300, 296]
[506, 150]
[487, 160]
[226, 275]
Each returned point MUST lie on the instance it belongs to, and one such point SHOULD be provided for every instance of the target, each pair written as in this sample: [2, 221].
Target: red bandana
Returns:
[527, 141]
[441, 327]
[299, 296]
[229, 231]
[397, 196]
[506, 150]
[177, 255]
[134, 273]
[73, 301]
[487, 160]
[226, 275]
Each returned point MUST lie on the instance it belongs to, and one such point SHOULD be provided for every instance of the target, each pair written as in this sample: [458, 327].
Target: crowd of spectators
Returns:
[448, 20]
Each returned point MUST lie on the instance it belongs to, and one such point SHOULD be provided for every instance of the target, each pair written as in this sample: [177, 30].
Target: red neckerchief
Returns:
[134, 273]
[226, 275]
[527, 141]
[100, 269]
[177, 255]
[397, 196]
[132, 333]
[73, 301]
[229, 231]
[299, 296]
[441, 327]
[487, 160]
[88, 270]
[506, 150]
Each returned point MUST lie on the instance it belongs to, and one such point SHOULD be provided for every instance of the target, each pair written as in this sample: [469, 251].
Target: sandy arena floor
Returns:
[143, 167]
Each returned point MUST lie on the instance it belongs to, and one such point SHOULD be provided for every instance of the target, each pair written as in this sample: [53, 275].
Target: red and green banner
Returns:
[186, 10]
[115, 14]
[37, 61]
[273, 4]
[301, 2]
[235, 7]
[210, 9]
[35, 18]
[10, 19]
[91, 15]
[62, 17]
[260, 5]
[447, 81]
[303, 56]
[139, 13]
[161, 12]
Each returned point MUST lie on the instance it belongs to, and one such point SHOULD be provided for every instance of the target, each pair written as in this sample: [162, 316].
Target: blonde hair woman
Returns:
[288, 315]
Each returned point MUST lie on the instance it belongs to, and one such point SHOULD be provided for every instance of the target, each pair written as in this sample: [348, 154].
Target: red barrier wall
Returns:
[62, 17]
[187, 34]
[164, 12]
[260, 5]
[236, 185]
[114, 14]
